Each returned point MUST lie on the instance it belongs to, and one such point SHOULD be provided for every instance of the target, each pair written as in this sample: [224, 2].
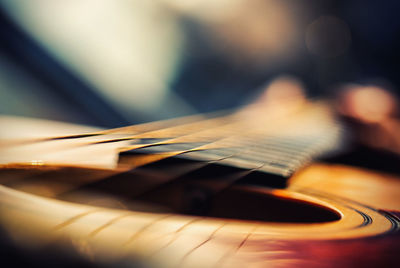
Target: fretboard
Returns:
[277, 146]
[259, 147]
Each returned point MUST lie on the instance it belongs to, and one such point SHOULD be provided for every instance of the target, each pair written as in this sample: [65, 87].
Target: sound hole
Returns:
[242, 202]
[250, 204]
[138, 190]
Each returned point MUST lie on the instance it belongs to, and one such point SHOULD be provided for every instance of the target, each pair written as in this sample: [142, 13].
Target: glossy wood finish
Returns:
[78, 192]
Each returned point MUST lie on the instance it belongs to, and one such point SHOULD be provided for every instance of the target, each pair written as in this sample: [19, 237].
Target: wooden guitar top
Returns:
[199, 192]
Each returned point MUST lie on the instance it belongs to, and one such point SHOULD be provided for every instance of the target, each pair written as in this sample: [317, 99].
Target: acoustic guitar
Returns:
[253, 188]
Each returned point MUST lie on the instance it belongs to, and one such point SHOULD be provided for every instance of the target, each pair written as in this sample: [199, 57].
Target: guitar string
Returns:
[229, 179]
[213, 131]
[183, 153]
[181, 128]
[51, 147]
[186, 134]
[174, 154]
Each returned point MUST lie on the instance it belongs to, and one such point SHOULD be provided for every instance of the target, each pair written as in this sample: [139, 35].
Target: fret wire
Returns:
[295, 162]
[211, 132]
[203, 126]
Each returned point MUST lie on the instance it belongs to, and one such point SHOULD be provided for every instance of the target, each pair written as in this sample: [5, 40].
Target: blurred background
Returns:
[111, 63]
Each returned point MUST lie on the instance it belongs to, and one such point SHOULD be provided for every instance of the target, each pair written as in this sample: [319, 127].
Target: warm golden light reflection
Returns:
[370, 188]
[36, 162]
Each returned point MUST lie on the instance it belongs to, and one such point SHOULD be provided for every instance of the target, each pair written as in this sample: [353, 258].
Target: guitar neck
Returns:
[277, 145]
[255, 139]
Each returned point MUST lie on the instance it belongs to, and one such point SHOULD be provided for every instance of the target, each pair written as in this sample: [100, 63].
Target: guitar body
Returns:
[141, 212]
